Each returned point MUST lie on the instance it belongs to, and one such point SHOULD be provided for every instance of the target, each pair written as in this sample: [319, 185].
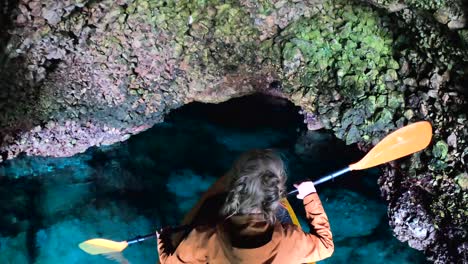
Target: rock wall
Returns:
[81, 73]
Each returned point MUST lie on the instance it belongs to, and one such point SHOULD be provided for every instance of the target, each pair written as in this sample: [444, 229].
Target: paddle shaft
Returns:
[139, 239]
[326, 178]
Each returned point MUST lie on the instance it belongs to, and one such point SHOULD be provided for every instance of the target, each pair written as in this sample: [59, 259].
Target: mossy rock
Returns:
[462, 181]
[345, 46]
[440, 150]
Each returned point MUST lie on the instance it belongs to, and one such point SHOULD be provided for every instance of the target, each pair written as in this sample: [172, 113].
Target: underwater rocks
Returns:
[58, 243]
[50, 205]
[358, 233]
[351, 214]
[14, 249]
[383, 251]
[187, 187]
[16, 207]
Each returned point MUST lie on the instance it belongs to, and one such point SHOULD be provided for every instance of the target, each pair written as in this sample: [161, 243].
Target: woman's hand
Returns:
[304, 189]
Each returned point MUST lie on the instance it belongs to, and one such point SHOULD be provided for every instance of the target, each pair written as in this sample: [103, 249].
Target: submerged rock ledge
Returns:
[78, 73]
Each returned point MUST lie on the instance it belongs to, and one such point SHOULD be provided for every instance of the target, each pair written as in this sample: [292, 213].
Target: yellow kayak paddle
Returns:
[402, 142]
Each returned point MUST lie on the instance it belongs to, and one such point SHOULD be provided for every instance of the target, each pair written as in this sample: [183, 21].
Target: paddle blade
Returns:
[404, 141]
[102, 246]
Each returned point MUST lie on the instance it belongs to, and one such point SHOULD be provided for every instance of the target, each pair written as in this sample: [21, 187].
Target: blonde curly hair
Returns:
[257, 183]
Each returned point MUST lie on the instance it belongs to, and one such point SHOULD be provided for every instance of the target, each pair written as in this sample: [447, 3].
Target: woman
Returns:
[249, 231]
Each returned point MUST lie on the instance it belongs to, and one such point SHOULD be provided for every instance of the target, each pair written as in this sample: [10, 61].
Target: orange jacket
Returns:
[249, 239]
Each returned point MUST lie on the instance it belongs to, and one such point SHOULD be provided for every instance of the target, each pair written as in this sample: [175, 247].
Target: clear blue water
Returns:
[49, 205]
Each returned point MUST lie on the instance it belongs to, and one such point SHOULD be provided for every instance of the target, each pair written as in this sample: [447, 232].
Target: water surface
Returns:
[49, 205]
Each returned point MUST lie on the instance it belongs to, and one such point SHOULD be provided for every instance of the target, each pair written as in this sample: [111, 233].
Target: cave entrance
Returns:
[155, 177]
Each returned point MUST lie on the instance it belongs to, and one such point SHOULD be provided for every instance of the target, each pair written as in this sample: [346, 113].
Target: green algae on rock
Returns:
[346, 46]
[344, 54]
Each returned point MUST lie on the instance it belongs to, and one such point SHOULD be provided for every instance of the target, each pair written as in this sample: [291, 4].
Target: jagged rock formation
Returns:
[81, 73]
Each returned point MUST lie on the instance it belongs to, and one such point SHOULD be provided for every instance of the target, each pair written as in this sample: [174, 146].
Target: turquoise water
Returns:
[49, 205]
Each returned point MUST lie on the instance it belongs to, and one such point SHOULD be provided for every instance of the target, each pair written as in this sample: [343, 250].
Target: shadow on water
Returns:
[155, 177]
[18, 207]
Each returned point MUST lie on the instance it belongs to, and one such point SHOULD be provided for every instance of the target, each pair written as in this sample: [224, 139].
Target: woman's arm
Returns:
[318, 244]
[320, 236]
